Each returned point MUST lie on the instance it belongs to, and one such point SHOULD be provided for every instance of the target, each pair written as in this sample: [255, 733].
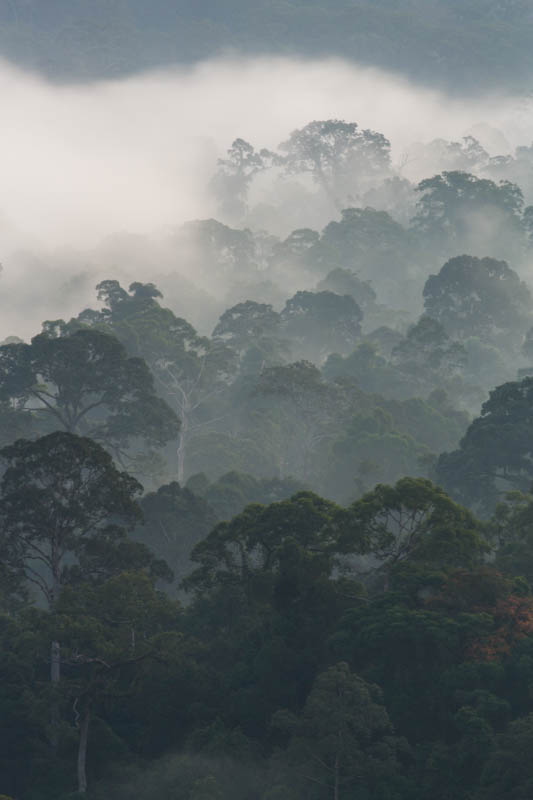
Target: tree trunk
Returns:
[55, 677]
[336, 773]
[55, 663]
[182, 446]
[82, 750]
[55, 563]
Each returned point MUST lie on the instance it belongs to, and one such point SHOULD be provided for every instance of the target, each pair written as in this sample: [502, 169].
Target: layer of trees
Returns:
[289, 554]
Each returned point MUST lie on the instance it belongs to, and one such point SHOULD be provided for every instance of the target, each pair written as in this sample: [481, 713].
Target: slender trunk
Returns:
[82, 750]
[336, 772]
[55, 663]
[55, 563]
[182, 447]
[55, 677]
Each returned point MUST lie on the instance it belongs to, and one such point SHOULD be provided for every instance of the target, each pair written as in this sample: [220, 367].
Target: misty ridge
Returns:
[266, 401]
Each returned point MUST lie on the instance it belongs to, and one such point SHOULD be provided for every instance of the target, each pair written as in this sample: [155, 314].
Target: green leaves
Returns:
[83, 382]
[413, 520]
[64, 510]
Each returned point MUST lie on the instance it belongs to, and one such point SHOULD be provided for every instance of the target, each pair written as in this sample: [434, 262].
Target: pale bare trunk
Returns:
[182, 446]
[82, 750]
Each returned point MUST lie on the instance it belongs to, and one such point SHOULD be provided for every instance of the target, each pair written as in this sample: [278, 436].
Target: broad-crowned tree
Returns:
[254, 331]
[65, 511]
[175, 520]
[340, 157]
[478, 297]
[83, 382]
[376, 247]
[411, 521]
[495, 454]
[428, 355]
[266, 594]
[190, 371]
[458, 211]
[319, 323]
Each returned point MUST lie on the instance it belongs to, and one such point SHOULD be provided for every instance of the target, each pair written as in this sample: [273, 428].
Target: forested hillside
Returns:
[480, 44]
[266, 513]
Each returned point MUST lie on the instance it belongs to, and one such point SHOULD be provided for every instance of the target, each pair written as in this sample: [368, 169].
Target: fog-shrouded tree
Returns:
[376, 247]
[189, 370]
[345, 281]
[305, 407]
[319, 323]
[428, 353]
[234, 175]
[223, 256]
[175, 519]
[232, 492]
[467, 155]
[461, 212]
[338, 155]
[482, 297]
[254, 331]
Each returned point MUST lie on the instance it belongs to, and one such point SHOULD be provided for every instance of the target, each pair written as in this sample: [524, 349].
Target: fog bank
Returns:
[83, 162]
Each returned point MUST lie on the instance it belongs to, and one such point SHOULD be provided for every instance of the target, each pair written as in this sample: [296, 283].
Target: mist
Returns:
[82, 163]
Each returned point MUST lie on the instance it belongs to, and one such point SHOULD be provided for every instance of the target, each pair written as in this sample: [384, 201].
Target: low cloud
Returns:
[82, 162]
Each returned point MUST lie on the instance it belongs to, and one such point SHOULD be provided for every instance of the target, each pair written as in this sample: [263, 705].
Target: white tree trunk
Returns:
[82, 750]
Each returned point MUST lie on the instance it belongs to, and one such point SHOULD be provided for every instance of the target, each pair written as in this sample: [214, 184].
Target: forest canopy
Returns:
[266, 466]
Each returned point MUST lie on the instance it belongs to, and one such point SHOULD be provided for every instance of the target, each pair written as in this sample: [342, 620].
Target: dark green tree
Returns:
[83, 382]
[343, 743]
[412, 521]
[495, 455]
[65, 511]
